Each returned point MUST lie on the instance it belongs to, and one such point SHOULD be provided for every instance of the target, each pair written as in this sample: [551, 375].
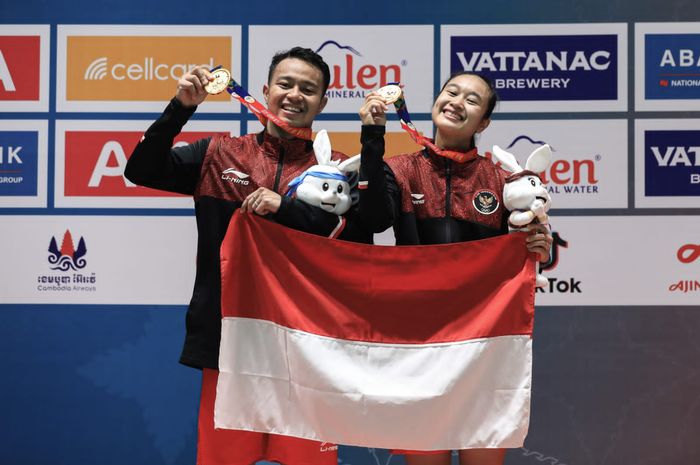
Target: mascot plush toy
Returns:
[326, 184]
[524, 194]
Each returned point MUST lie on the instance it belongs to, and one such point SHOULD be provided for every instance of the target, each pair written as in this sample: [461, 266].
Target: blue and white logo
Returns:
[672, 163]
[547, 67]
[19, 155]
[672, 66]
[543, 67]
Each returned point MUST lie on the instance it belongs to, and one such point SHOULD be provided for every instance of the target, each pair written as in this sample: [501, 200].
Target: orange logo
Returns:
[395, 143]
[138, 68]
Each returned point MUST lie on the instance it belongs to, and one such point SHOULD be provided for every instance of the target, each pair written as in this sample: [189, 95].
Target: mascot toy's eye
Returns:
[325, 186]
[532, 181]
[340, 188]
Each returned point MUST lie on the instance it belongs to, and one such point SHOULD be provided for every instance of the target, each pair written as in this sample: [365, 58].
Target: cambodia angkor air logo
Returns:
[68, 257]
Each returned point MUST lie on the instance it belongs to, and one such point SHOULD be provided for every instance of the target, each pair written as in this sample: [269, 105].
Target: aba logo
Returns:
[672, 65]
[67, 257]
[348, 80]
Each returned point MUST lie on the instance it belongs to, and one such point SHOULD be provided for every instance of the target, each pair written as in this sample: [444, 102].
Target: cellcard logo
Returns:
[19, 162]
[131, 63]
[97, 69]
[352, 74]
[672, 66]
[67, 260]
[558, 285]
[572, 67]
[146, 70]
[136, 68]
[672, 163]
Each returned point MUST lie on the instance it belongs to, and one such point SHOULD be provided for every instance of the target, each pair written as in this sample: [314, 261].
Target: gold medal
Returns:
[391, 93]
[221, 79]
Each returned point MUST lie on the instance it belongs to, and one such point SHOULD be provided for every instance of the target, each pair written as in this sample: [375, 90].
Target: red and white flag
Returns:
[411, 347]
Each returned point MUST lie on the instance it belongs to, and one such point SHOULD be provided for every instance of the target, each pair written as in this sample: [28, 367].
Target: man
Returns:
[224, 174]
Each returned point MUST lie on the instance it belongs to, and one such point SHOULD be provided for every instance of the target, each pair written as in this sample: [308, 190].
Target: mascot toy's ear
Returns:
[350, 165]
[322, 149]
[507, 160]
[539, 160]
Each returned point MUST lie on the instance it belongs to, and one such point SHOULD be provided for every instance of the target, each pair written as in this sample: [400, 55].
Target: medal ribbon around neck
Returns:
[259, 110]
[396, 97]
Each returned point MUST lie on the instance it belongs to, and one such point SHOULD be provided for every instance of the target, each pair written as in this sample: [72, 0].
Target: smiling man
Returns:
[224, 174]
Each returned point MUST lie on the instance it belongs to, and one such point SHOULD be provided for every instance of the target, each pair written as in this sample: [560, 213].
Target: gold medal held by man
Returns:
[222, 76]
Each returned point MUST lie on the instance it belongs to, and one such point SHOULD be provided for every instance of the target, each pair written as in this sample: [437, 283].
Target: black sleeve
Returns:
[380, 198]
[154, 163]
[297, 214]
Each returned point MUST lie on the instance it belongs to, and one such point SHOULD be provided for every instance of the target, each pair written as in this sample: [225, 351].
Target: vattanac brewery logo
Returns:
[558, 285]
[687, 254]
[68, 263]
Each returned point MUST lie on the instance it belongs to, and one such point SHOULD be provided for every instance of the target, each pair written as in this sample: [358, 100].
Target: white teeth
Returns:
[292, 109]
[453, 115]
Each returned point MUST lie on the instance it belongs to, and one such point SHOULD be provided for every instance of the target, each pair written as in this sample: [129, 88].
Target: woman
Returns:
[431, 198]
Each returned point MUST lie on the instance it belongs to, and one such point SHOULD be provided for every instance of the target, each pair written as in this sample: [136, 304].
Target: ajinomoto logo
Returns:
[137, 68]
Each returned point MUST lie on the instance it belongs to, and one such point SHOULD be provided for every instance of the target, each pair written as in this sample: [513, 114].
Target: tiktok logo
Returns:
[557, 241]
[558, 286]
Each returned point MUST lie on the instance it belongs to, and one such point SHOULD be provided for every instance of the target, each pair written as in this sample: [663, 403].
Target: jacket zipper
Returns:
[280, 167]
[448, 195]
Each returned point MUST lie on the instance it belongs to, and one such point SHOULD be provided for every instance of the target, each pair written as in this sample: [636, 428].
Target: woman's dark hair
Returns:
[493, 96]
[304, 54]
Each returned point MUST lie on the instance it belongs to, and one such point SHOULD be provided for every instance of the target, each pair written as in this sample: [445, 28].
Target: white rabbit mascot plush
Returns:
[524, 195]
[326, 185]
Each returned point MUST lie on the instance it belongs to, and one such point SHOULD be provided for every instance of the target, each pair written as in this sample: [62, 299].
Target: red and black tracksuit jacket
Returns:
[220, 172]
[430, 199]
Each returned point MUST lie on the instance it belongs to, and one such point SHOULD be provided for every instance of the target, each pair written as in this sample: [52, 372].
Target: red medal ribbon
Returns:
[262, 113]
[407, 125]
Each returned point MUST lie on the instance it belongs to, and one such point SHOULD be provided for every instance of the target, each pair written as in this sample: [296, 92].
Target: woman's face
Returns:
[458, 112]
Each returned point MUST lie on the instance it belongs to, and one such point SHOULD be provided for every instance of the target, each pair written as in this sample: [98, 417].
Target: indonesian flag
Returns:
[411, 347]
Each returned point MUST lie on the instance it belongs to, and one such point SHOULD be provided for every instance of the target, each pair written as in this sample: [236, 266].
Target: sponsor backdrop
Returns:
[98, 272]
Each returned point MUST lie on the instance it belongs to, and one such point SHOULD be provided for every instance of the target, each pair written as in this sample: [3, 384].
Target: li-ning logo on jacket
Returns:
[237, 178]
[418, 199]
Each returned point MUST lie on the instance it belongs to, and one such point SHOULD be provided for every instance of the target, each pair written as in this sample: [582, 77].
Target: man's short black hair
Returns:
[304, 54]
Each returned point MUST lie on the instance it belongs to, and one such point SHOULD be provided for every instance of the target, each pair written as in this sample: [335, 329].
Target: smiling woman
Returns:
[437, 196]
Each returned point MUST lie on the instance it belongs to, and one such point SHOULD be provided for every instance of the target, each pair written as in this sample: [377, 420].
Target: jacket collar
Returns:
[291, 148]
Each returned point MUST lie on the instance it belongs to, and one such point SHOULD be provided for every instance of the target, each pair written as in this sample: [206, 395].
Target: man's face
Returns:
[294, 93]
